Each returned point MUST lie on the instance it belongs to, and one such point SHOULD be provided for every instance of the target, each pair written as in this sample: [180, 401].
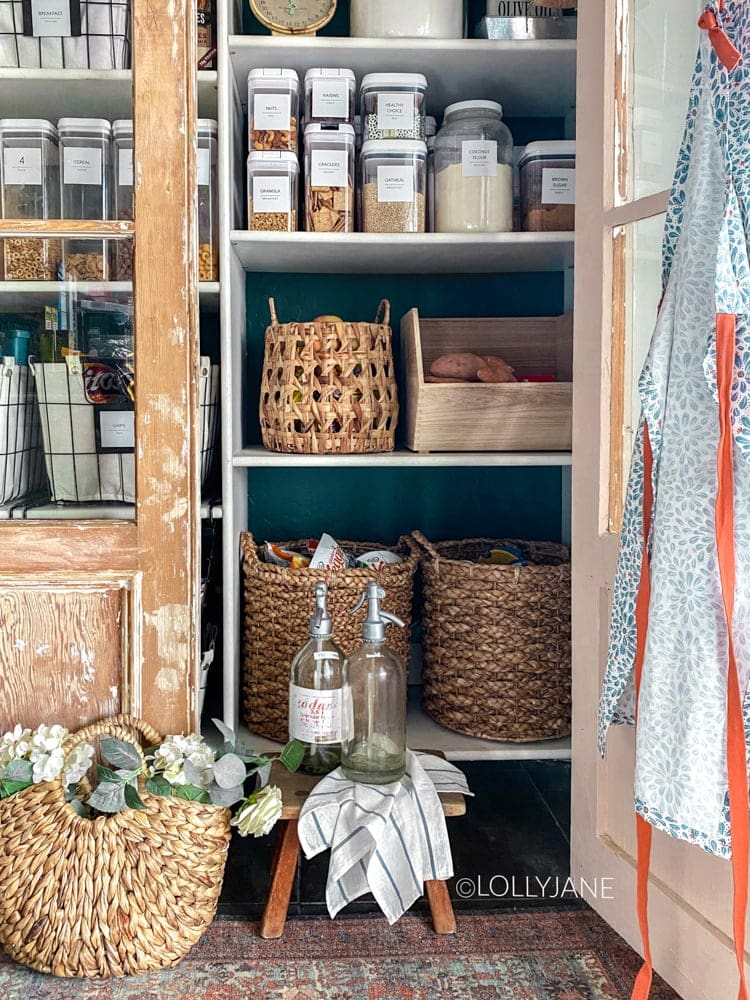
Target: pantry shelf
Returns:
[412, 253]
[59, 93]
[28, 294]
[259, 458]
[455, 68]
[87, 512]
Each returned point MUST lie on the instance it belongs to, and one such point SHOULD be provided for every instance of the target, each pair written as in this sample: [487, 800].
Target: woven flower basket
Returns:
[277, 607]
[329, 388]
[497, 640]
[113, 896]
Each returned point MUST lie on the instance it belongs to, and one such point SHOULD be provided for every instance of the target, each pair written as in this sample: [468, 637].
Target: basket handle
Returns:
[125, 725]
[425, 543]
[385, 309]
[272, 310]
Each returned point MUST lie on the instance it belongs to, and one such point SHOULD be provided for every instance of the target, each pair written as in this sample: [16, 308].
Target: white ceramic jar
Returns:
[412, 19]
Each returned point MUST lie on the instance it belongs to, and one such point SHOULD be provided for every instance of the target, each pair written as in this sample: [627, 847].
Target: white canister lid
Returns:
[382, 81]
[207, 126]
[257, 75]
[269, 157]
[402, 146]
[329, 74]
[30, 126]
[123, 128]
[345, 132]
[548, 150]
[84, 126]
[473, 106]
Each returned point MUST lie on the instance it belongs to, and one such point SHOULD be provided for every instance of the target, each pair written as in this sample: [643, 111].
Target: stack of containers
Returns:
[272, 164]
[330, 151]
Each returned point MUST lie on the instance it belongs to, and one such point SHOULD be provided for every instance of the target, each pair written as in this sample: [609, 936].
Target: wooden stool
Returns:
[294, 790]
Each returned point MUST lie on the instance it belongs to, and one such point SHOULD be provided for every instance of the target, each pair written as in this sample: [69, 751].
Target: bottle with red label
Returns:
[315, 693]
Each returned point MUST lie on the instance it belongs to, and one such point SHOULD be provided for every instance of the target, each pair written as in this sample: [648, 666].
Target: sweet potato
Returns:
[495, 362]
[461, 366]
[495, 375]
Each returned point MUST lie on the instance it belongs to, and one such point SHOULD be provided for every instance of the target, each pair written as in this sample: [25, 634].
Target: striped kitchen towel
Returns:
[384, 839]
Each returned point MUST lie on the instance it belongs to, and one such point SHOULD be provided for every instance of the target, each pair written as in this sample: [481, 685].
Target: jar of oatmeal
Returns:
[272, 191]
[273, 109]
[394, 185]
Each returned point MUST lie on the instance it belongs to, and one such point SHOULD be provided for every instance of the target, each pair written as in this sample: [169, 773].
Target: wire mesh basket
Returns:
[21, 457]
[75, 34]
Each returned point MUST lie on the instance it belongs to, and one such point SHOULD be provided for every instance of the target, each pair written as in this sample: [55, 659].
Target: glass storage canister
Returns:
[208, 221]
[272, 191]
[394, 181]
[122, 140]
[548, 187]
[407, 18]
[29, 189]
[393, 106]
[329, 97]
[474, 170]
[273, 109]
[329, 178]
[85, 151]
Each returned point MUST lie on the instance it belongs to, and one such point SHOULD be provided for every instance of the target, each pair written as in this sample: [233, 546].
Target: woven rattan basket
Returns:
[329, 388]
[113, 896]
[497, 640]
[277, 606]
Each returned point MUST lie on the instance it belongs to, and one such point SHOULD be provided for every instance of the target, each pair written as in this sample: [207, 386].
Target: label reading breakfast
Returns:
[558, 186]
[50, 18]
[395, 184]
[204, 167]
[329, 168]
[314, 716]
[82, 165]
[272, 112]
[125, 168]
[330, 99]
[272, 194]
[479, 158]
[395, 112]
[22, 166]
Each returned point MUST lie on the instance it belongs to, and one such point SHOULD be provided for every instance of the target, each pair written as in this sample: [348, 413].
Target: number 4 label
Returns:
[22, 166]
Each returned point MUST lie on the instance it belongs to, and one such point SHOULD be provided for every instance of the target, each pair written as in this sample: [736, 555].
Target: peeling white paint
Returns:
[172, 625]
[19, 644]
[176, 513]
[168, 680]
[43, 650]
[114, 692]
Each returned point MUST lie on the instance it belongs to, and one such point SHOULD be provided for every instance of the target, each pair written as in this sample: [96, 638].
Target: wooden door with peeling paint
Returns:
[101, 616]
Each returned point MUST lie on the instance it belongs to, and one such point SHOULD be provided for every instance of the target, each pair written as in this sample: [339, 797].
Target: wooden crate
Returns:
[516, 416]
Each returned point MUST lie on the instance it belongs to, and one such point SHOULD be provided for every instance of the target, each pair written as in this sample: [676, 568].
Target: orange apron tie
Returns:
[723, 48]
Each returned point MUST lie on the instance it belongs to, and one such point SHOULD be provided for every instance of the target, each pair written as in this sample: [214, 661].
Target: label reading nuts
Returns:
[396, 111]
[479, 158]
[271, 194]
[329, 168]
[272, 112]
[330, 99]
[22, 166]
[558, 186]
[82, 165]
[395, 184]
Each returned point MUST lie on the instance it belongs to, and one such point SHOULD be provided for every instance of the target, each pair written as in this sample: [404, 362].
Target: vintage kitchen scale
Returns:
[294, 17]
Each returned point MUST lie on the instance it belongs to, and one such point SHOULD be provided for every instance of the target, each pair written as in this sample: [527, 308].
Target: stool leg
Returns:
[284, 869]
[441, 908]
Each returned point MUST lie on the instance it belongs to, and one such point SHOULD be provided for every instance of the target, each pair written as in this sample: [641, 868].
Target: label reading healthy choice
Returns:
[395, 112]
[272, 112]
[479, 158]
[82, 165]
[314, 716]
[558, 186]
[329, 168]
[272, 194]
[395, 184]
[50, 18]
[330, 99]
[22, 166]
[125, 168]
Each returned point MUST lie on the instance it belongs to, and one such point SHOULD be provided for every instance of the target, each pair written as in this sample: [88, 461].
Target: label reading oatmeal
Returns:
[395, 184]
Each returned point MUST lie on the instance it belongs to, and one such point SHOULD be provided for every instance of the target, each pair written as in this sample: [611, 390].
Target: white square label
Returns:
[125, 168]
[479, 158]
[329, 168]
[558, 186]
[330, 99]
[82, 165]
[117, 429]
[22, 166]
[204, 167]
[50, 18]
[272, 112]
[396, 112]
[272, 194]
[395, 184]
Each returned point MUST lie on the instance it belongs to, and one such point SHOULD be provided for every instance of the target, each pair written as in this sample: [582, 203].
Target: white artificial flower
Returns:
[175, 773]
[77, 763]
[259, 812]
[169, 759]
[47, 766]
[15, 745]
[49, 738]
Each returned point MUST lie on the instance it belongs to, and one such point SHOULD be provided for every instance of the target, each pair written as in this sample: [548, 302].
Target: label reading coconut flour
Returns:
[558, 186]
[479, 158]
[395, 184]
[314, 716]
[395, 112]
[330, 99]
[329, 168]
[51, 18]
[272, 112]
[22, 166]
[272, 194]
[82, 165]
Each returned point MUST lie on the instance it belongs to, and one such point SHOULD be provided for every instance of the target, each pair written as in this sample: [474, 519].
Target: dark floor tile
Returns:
[552, 779]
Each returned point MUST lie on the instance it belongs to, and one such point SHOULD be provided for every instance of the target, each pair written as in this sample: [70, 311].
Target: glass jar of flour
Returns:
[473, 170]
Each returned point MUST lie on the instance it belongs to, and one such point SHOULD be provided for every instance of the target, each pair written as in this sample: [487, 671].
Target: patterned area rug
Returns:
[560, 955]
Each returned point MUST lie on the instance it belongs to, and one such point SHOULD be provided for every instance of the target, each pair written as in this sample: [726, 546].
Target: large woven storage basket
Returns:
[277, 607]
[329, 388]
[497, 640]
[114, 896]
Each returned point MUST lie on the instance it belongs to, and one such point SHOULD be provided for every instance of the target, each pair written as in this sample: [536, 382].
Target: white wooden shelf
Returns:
[529, 78]
[57, 93]
[389, 253]
[28, 294]
[259, 458]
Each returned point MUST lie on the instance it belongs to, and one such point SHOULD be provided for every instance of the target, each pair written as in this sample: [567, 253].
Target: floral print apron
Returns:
[679, 656]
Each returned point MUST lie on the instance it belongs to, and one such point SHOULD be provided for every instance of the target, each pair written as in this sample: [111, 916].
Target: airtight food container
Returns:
[393, 106]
